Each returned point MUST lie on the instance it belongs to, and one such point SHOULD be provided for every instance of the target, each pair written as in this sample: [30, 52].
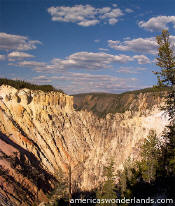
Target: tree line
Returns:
[20, 84]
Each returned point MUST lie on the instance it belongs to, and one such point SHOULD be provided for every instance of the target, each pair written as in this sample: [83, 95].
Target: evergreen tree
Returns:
[150, 153]
[165, 60]
[19, 84]
[166, 77]
[127, 178]
[61, 189]
[107, 189]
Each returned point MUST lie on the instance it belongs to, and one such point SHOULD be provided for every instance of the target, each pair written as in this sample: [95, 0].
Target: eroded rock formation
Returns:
[41, 132]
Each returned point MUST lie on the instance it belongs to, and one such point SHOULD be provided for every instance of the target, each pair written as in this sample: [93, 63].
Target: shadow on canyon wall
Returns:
[28, 166]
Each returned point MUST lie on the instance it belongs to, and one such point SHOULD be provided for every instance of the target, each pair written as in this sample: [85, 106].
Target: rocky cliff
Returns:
[42, 132]
[104, 103]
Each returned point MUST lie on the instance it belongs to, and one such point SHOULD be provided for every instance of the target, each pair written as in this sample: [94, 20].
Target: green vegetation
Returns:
[61, 188]
[59, 195]
[165, 60]
[154, 174]
[19, 84]
[107, 189]
[103, 103]
[156, 170]
[138, 177]
[139, 91]
[166, 76]
[150, 153]
[147, 90]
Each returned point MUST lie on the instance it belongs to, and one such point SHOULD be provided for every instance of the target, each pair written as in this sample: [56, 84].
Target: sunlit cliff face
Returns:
[43, 131]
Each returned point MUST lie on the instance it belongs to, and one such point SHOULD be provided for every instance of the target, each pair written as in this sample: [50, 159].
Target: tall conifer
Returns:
[166, 77]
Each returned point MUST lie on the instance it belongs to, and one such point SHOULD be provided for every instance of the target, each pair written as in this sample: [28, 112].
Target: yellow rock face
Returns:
[45, 127]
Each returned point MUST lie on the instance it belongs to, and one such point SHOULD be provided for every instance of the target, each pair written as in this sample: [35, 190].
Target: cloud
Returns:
[111, 14]
[103, 49]
[86, 82]
[142, 59]
[128, 10]
[82, 60]
[42, 79]
[131, 70]
[86, 23]
[16, 42]
[114, 5]
[89, 60]
[79, 60]
[2, 57]
[85, 15]
[32, 64]
[141, 45]
[113, 21]
[157, 23]
[18, 55]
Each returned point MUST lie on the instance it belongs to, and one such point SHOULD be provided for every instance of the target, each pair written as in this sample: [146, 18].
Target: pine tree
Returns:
[150, 153]
[165, 60]
[61, 188]
[107, 189]
[166, 77]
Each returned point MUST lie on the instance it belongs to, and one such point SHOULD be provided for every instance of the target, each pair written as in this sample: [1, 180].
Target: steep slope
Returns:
[41, 132]
[104, 103]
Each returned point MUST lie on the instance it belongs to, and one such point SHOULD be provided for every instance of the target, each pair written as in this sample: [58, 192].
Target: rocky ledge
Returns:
[41, 132]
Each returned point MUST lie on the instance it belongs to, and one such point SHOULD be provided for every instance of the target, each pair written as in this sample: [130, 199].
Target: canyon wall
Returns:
[42, 132]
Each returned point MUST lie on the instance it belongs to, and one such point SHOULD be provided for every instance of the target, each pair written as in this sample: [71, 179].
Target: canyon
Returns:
[43, 132]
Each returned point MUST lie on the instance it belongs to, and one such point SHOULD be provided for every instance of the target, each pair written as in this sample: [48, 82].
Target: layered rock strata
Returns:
[41, 132]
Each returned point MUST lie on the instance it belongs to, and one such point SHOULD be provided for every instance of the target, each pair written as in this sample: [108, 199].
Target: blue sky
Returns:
[83, 45]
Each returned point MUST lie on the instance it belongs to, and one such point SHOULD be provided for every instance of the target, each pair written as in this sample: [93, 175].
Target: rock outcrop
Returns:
[41, 132]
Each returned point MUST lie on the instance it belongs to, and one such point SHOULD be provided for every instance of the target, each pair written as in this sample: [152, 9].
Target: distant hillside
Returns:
[104, 103]
[18, 84]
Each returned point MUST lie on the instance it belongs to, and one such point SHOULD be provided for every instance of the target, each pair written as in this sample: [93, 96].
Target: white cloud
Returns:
[87, 82]
[42, 79]
[88, 22]
[157, 23]
[103, 49]
[131, 70]
[113, 13]
[113, 21]
[89, 60]
[141, 45]
[85, 15]
[128, 10]
[142, 59]
[127, 38]
[104, 10]
[114, 5]
[82, 60]
[32, 64]
[18, 55]
[16, 42]
[2, 57]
